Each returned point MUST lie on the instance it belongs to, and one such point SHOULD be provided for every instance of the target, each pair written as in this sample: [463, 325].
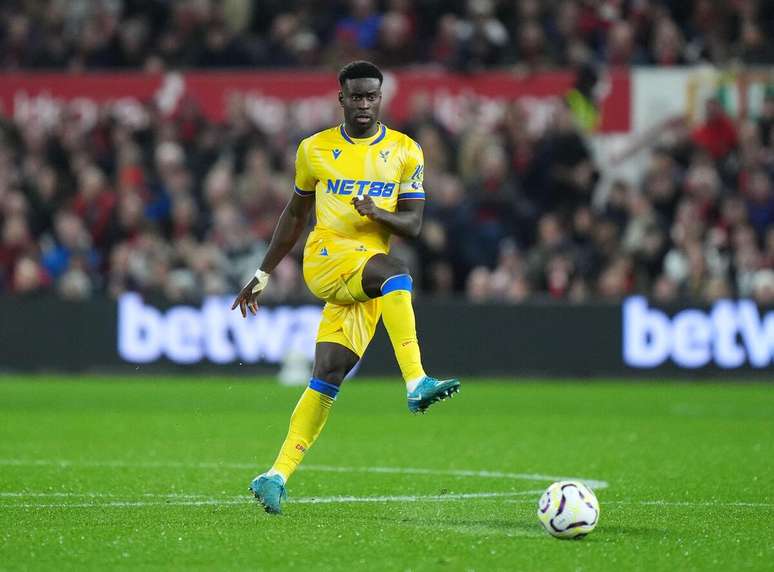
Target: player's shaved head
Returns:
[358, 70]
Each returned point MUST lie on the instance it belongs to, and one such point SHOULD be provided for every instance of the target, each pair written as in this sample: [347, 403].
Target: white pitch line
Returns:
[696, 503]
[411, 498]
[301, 500]
[64, 463]
[674, 503]
[376, 499]
[597, 484]
[454, 473]
[22, 494]
[124, 504]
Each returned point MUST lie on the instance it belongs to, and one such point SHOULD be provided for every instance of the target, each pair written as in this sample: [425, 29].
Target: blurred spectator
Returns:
[75, 285]
[763, 287]
[766, 120]
[667, 46]
[16, 241]
[753, 47]
[446, 46]
[760, 201]
[94, 202]
[358, 33]
[28, 277]
[396, 41]
[551, 244]
[71, 248]
[621, 44]
[483, 38]
[478, 288]
[717, 135]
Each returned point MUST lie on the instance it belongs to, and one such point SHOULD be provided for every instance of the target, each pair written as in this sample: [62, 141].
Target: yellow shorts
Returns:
[333, 271]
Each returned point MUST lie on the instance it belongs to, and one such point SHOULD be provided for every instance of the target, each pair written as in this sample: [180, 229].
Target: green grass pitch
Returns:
[118, 473]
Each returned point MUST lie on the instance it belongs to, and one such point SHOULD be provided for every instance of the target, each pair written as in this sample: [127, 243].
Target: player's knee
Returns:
[379, 270]
[403, 269]
[330, 373]
[332, 370]
[399, 278]
[332, 362]
[398, 267]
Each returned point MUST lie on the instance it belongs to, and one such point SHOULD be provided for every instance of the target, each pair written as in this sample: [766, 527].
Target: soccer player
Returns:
[365, 183]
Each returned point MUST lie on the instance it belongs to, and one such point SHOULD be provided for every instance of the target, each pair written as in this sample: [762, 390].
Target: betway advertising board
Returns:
[731, 339]
[213, 332]
[731, 335]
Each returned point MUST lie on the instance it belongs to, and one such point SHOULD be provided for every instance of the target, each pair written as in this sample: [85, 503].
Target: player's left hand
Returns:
[365, 206]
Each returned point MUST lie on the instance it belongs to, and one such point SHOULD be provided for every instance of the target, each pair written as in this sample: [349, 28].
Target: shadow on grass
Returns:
[633, 531]
[499, 527]
[516, 528]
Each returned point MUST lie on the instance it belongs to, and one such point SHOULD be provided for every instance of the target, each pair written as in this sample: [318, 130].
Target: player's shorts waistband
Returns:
[345, 243]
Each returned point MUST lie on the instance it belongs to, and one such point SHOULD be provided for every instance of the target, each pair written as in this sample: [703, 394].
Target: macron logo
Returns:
[336, 153]
[732, 334]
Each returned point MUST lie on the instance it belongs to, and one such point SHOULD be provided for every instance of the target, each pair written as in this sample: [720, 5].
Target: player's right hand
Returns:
[247, 299]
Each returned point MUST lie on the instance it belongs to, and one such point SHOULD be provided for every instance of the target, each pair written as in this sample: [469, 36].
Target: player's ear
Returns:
[341, 98]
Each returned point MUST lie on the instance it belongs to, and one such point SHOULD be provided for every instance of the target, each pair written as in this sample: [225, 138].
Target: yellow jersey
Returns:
[335, 167]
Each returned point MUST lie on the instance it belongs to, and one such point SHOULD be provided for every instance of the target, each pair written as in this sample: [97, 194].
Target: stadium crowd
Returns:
[181, 207]
[459, 34]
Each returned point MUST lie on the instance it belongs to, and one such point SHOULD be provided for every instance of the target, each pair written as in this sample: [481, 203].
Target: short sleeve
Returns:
[413, 173]
[305, 180]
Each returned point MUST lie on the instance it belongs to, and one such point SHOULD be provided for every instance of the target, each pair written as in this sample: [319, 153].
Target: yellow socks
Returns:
[306, 423]
[398, 316]
[311, 412]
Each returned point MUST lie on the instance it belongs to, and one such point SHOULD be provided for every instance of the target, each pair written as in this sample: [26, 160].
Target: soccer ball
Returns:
[568, 509]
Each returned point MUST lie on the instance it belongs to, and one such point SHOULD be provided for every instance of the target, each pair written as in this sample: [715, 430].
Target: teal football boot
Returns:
[430, 390]
[269, 491]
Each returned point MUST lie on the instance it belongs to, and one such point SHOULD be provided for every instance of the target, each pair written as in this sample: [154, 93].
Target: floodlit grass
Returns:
[105, 473]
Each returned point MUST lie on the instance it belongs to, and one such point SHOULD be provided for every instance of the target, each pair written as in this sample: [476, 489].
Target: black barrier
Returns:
[729, 339]
[49, 334]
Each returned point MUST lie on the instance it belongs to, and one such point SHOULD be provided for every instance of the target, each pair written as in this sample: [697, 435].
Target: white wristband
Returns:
[263, 280]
